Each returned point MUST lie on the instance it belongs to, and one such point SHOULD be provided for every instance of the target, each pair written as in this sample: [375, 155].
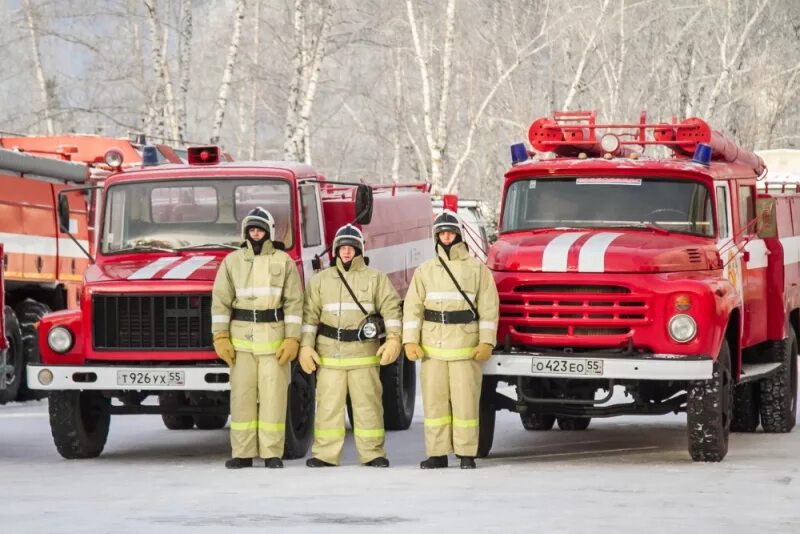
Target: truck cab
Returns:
[144, 323]
[619, 273]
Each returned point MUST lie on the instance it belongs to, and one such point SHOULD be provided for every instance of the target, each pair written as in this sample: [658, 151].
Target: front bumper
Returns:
[107, 377]
[591, 365]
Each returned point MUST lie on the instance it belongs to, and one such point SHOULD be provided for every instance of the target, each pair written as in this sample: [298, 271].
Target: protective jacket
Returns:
[329, 303]
[432, 289]
[269, 284]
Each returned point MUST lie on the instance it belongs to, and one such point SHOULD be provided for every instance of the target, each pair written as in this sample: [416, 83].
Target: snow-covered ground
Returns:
[622, 475]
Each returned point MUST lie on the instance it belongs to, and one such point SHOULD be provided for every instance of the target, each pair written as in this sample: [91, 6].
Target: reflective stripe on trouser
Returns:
[259, 390]
[366, 393]
[446, 384]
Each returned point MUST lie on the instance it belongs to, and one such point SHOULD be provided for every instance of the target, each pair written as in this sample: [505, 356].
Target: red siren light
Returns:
[450, 202]
[203, 155]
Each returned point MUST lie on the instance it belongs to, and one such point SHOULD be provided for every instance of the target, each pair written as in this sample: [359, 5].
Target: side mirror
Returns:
[63, 213]
[363, 204]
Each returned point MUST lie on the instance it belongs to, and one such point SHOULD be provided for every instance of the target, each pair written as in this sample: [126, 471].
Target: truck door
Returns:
[754, 274]
[311, 229]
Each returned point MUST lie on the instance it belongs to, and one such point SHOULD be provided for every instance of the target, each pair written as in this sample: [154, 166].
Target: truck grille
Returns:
[573, 310]
[151, 322]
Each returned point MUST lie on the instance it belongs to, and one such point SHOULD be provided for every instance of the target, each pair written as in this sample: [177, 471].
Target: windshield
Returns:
[190, 213]
[672, 205]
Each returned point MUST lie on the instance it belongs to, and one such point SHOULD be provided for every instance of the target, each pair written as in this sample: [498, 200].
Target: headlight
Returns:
[682, 328]
[45, 377]
[59, 339]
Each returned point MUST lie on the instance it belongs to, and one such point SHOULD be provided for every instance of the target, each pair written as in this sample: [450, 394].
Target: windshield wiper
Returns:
[209, 245]
[652, 226]
[146, 248]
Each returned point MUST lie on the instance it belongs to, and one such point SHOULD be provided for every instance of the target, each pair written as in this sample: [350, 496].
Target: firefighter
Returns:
[450, 322]
[341, 330]
[256, 310]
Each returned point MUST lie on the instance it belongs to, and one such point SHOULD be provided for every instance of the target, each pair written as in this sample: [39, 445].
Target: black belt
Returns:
[258, 316]
[338, 334]
[450, 317]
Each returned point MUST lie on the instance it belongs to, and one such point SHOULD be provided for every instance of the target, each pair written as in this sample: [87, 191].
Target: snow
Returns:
[623, 475]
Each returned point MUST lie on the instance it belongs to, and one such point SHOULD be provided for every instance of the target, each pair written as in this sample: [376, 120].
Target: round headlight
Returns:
[59, 339]
[45, 377]
[682, 328]
[113, 158]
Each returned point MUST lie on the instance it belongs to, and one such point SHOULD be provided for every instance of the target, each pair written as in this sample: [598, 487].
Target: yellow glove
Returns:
[389, 351]
[309, 359]
[413, 351]
[224, 348]
[482, 352]
[287, 352]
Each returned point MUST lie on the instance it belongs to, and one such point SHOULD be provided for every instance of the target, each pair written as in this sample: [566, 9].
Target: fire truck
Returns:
[144, 323]
[671, 279]
[44, 265]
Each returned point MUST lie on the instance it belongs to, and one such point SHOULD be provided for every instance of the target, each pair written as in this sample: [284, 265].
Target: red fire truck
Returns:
[669, 279]
[43, 265]
[144, 323]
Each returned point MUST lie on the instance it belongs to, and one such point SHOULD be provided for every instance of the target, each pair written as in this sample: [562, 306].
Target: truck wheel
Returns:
[15, 363]
[535, 421]
[30, 312]
[745, 407]
[399, 382]
[709, 409]
[208, 421]
[79, 422]
[778, 393]
[486, 417]
[299, 414]
[573, 423]
[173, 421]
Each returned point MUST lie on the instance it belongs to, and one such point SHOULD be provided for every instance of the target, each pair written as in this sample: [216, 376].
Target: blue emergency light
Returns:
[519, 154]
[702, 154]
[149, 156]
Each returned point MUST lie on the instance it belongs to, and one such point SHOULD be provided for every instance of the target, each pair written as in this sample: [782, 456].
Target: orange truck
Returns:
[42, 265]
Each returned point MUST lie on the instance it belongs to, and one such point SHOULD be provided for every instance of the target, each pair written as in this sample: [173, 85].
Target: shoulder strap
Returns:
[350, 290]
[453, 278]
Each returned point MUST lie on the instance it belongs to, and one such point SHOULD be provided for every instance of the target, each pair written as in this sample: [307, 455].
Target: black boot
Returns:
[380, 461]
[467, 462]
[434, 462]
[273, 463]
[316, 462]
[238, 463]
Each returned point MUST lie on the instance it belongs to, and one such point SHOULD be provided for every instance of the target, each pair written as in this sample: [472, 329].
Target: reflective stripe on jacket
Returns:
[328, 302]
[249, 282]
[431, 288]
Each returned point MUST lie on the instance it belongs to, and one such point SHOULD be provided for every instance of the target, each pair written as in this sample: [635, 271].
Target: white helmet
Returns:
[349, 235]
[448, 221]
[259, 218]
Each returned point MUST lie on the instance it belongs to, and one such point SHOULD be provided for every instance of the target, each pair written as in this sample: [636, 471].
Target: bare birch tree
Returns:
[184, 62]
[33, 27]
[227, 74]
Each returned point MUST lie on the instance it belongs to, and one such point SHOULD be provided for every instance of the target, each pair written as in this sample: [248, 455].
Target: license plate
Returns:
[567, 366]
[151, 378]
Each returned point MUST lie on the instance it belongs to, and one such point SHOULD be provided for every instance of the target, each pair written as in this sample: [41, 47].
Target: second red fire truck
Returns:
[670, 279]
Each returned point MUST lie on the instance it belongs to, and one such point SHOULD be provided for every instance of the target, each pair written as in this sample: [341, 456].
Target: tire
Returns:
[399, 382]
[533, 421]
[14, 357]
[487, 417]
[79, 422]
[778, 393]
[30, 312]
[174, 421]
[209, 421]
[709, 410]
[745, 407]
[573, 423]
[299, 414]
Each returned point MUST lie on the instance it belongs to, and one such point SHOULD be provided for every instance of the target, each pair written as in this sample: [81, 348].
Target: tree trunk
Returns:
[227, 74]
[185, 60]
[33, 27]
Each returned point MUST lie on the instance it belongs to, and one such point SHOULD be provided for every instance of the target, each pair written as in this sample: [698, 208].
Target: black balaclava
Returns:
[447, 248]
[256, 244]
[349, 263]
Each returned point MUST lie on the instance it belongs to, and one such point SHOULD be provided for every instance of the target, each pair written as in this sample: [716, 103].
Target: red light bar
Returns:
[203, 155]
[450, 202]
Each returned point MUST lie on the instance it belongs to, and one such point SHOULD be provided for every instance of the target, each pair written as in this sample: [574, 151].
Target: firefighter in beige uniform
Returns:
[347, 357]
[256, 310]
[442, 328]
